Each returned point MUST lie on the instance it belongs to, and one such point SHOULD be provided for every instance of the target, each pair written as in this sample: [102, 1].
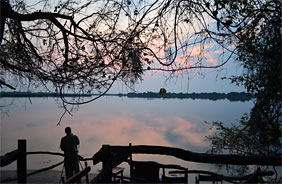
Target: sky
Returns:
[205, 80]
[209, 81]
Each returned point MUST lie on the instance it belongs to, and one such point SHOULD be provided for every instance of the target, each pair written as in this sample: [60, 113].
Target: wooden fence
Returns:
[20, 155]
[112, 156]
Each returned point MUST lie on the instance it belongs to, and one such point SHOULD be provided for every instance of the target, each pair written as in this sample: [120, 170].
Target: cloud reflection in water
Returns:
[116, 121]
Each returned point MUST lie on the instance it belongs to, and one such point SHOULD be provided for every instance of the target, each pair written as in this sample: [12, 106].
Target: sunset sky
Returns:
[195, 80]
[209, 81]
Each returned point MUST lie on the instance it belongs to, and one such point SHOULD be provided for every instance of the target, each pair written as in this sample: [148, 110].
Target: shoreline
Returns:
[232, 96]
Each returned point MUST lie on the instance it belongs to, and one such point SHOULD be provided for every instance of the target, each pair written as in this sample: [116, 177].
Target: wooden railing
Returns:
[112, 156]
[20, 155]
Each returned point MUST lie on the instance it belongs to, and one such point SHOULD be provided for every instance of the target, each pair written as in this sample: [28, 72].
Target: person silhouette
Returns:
[69, 145]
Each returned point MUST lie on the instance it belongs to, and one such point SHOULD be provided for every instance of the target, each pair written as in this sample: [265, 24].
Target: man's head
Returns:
[68, 130]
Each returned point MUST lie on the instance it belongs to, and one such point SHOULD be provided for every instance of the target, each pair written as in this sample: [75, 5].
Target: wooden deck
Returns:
[112, 156]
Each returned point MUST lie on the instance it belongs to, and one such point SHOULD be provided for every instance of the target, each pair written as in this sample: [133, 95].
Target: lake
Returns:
[116, 121]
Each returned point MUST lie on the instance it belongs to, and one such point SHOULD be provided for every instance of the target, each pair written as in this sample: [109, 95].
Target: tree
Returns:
[90, 45]
[259, 52]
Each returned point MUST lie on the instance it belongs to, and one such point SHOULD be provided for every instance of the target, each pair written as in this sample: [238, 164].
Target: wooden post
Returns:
[130, 162]
[86, 176]
[21, 161]
[107, 177]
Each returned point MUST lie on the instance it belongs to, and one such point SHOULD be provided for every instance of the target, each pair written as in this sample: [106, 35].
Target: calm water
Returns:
[115, 121]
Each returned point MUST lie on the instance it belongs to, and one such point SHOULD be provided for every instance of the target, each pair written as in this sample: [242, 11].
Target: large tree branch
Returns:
[66, 42]
[34, 16]
[5, 84]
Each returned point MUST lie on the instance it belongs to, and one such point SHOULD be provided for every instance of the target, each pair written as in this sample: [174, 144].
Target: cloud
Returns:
[31, 124]
[187, 133]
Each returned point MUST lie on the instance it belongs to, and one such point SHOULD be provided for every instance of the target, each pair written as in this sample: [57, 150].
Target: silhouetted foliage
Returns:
[89, 45]
[259, 52]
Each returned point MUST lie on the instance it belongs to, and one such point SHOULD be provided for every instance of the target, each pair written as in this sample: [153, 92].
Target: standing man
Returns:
[69, 145]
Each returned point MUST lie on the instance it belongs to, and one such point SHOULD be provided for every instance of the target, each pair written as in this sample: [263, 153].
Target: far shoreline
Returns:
[232, 96]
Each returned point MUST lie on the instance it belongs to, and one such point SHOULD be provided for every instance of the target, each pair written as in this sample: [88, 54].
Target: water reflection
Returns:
[116, 121]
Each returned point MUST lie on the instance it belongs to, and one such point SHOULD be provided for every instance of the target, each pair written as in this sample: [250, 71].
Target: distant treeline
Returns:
[38, 94]
[232, 96]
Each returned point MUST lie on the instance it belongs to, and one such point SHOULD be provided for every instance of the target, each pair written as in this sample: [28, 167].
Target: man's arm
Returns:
[62, 145]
